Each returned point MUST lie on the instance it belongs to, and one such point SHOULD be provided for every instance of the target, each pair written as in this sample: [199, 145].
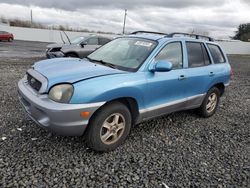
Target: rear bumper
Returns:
[62, 119]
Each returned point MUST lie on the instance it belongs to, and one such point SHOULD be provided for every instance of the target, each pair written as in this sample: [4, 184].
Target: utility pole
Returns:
[31, 17]
[124, 23]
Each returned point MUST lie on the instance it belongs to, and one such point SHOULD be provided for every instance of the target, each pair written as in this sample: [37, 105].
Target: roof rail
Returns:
[149, 32]
[191, 35]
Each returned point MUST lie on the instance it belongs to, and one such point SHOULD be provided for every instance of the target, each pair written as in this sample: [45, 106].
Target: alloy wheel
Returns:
[211, 102]
[112, 128]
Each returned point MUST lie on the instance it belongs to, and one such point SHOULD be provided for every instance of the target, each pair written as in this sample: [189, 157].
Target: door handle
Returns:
[182, 77]
[211, 74]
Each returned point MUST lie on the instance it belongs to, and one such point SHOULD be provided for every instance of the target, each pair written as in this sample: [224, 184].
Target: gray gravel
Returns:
[180, 150]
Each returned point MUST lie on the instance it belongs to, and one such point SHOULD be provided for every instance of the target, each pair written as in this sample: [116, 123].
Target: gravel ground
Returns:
[178, 150]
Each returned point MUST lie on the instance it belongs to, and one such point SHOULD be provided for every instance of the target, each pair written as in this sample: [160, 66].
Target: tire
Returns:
[71, 55]
[109, 127]
[10, 39]
[210, 102]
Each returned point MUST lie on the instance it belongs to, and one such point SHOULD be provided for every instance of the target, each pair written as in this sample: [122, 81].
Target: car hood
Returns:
[70, 70]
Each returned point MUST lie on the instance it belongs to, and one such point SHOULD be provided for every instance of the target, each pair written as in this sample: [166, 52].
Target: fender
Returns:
[112, 87]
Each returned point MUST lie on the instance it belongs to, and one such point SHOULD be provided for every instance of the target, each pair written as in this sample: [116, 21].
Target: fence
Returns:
[45, 35]
[41, 35]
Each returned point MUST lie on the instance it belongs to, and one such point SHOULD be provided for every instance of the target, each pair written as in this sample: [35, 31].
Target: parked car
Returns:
[79, 47]
[129, 80]
[6, 36]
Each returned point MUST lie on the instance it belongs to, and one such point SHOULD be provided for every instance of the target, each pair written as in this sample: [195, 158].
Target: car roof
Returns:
[165, 37]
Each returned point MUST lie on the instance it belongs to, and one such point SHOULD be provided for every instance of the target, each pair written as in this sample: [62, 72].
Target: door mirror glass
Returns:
[161, 66]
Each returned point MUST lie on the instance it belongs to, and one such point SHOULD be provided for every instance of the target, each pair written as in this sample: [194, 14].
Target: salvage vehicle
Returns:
[78, 47]
[129, 80]
[6, 36]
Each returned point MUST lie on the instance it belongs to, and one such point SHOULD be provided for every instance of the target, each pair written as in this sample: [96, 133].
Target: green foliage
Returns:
[243, 32]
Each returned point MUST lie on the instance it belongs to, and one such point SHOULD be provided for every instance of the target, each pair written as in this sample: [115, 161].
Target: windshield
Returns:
[124, 53]
[77, 40]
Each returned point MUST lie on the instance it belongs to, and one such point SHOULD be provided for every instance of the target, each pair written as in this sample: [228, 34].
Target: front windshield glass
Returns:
[77, 40]
[124, 53]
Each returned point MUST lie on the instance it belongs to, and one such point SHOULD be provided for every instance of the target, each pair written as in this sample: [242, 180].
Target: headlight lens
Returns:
[61, 93]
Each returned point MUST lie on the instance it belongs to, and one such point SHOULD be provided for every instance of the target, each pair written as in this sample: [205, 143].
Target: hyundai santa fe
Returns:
[129, 80]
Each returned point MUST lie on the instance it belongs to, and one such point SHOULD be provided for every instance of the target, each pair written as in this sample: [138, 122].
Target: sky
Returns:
[218, 18]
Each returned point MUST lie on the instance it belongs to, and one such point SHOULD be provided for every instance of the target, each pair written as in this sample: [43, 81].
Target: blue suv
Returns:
[129, 80]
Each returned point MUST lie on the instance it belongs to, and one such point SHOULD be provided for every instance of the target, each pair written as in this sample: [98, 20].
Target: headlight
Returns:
[61, 93]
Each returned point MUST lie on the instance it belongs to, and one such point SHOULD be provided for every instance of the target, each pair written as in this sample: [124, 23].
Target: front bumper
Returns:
[62, 119]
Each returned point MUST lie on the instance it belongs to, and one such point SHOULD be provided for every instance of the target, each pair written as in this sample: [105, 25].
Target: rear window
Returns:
[216, 53]
[197, 54]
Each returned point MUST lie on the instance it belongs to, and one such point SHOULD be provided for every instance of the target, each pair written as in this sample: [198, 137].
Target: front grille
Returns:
[34, 83]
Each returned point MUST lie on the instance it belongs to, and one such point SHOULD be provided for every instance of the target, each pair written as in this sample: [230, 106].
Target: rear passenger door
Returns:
[199, 70]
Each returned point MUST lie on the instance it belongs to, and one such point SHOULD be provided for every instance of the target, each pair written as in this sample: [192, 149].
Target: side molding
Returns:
[173, 106]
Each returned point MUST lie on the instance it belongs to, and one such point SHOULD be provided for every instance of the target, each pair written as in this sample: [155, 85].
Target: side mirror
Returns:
[161, 66]
[83, 44]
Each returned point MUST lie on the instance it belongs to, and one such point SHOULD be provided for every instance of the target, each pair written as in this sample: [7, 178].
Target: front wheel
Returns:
[10, 39]
[109, 127]
[210, 102]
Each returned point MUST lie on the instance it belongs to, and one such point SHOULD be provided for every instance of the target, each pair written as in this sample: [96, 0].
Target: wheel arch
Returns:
[221, 87]
[129, 102]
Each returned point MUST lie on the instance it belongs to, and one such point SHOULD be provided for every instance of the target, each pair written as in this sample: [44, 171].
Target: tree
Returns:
[243, 32]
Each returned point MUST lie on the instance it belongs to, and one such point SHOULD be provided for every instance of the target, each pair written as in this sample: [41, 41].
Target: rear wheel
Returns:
[109, 127]
[210, 102]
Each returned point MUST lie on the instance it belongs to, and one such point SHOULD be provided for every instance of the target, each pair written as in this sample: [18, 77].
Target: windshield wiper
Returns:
[102, 62]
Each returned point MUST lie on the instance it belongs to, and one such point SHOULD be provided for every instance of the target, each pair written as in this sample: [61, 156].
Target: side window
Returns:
[197, 54]
[92, 41]
[103, 41]
[172, 52]
[205, 54]
[216, 53]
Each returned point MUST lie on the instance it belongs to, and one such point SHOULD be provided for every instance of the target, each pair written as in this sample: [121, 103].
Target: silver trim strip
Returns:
[170, 103]
[40, 78]
[227, 84]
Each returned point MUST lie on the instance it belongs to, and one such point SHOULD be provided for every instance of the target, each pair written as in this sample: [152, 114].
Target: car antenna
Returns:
[67, 37]
[62, 37]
